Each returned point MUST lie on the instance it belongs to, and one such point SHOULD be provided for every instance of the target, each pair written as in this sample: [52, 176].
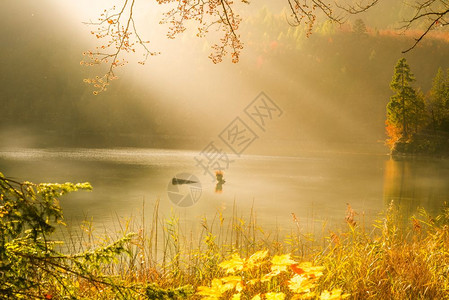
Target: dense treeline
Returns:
[339, 76]
[418, 122]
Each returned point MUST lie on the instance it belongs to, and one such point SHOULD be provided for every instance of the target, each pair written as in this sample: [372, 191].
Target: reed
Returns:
[231, 257]
[382, 261]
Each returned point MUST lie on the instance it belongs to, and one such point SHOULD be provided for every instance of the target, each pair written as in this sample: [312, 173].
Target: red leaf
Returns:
[297, 270]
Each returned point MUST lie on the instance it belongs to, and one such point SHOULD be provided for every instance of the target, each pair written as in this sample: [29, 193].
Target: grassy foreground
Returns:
[226, 259]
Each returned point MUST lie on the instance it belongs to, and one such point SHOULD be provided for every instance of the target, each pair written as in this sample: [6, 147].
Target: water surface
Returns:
[316, 187]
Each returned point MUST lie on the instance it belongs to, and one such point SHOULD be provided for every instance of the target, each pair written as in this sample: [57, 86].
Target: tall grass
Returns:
[392, 262]
[386, 260]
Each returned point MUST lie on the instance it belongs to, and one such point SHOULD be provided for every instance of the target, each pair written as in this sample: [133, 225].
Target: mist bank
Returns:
[332, 87]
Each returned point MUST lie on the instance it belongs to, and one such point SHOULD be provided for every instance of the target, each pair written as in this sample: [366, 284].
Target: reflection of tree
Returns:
[399, 190]
[220, 182]
[412, 184]
[395, 172]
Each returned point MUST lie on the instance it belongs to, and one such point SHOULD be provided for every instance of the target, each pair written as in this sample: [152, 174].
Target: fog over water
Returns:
[315, 187]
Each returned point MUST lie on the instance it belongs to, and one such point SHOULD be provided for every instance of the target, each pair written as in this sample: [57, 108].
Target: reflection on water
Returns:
[315, 188]
[220, 182]
[413, 183]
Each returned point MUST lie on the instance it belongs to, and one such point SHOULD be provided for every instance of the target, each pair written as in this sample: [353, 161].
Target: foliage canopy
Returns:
[118, 30]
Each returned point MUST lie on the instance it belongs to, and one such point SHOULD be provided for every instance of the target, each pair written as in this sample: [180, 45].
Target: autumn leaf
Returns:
[394, 133]
[256, 257]
[234, 264]
[300, 284]
[236, 281]
[253, 281]
[267, 277]
[310, 270]
[275, 296]
[216, 290]
[281, 262]
[210, 293]
[310, 295]
[236, 296]
[232, 279]
[297, 270]
[334, 294]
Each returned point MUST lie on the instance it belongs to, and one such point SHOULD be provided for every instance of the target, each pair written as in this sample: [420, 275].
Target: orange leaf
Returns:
[297, 270]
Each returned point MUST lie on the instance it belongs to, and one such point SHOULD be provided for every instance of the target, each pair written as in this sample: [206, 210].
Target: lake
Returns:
[316, 187]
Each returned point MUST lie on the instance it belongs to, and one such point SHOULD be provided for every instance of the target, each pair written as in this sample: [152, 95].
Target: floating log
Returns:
[176, 181]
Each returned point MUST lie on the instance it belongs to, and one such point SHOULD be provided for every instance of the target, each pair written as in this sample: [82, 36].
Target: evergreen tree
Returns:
[446, 103]
[406, 108]
[359, 27]
[438, 100]
[418, 112]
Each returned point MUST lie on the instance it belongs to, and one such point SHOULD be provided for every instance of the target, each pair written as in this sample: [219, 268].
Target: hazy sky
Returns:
[181, 92]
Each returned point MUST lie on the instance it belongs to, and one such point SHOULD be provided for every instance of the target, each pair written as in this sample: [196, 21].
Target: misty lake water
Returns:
[315, 186]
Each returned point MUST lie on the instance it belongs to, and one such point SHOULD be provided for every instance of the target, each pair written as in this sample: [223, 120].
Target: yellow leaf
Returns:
[278, 268]
[232, 279]
[325, 295]
[226, 287]
[259, 255]
[234, 264]
[282, 260]
[334, 294]
[275, 296]
[253, 281]
[235, 281]
[257, 297]
[309, 269]
[300, 284]
[239, 287]
[236, 296]
[210, 292]
[216, 290]
[273, 273]
[311, 295]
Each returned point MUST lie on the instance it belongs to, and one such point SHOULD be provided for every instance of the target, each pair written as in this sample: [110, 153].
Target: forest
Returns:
[418, 123]
[350, 66]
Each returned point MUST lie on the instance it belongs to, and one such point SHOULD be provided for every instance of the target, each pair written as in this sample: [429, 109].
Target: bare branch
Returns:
[120, 28]
[358, 7]
[121, 38]
[432, 12]
[433, 16]
[306, 12]
[208, 14]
